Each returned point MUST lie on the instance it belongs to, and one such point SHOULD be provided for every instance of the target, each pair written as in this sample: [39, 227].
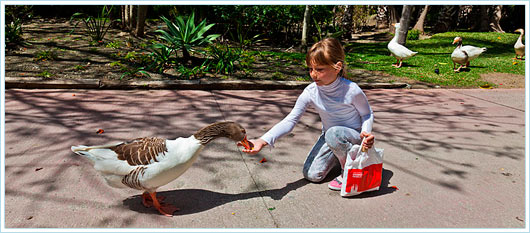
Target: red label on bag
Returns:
[364, 179]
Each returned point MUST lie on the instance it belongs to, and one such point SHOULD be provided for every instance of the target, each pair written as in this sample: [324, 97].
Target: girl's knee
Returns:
[314, 177]
[334, 137]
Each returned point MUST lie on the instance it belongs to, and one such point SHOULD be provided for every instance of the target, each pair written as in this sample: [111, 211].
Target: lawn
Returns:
[435, 52]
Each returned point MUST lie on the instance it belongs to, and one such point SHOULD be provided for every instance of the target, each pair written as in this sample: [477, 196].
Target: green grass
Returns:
[436, 53]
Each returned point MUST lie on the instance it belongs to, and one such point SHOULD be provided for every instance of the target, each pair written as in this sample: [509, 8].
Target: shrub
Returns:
[413, 34]
[183, 34]
[224, 58]
[98, 26]
[13, 32]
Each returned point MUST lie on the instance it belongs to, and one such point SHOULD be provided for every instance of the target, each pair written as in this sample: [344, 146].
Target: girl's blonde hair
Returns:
[328, 51]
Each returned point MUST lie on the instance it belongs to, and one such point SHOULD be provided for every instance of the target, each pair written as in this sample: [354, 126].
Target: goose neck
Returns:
[210, 132]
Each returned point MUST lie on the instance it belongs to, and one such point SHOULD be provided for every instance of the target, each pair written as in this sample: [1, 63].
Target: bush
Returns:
[13, 32]
[224, 59]
[413, 34]
[183, 34]
[98, 26]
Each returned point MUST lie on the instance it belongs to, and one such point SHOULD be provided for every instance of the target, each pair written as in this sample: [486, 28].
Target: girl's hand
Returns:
[369, 142]
[258, 144]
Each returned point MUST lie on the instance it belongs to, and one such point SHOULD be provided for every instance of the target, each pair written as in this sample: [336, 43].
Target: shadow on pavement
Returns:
[192, 201]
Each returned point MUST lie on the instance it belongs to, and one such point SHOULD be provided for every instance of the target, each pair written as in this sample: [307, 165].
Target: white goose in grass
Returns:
[399, 51]
[149, 163]
[463, 54]
[519, 46]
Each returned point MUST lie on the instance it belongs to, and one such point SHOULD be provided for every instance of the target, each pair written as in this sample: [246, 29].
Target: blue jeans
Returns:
[329, 151]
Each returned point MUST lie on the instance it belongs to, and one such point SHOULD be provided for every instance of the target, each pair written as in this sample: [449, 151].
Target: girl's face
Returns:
[324, 74]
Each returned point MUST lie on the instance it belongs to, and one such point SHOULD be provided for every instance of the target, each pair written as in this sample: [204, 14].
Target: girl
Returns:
[343, 108]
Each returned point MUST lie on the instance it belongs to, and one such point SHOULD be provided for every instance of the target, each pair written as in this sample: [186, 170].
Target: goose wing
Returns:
[472, 51]
[399, 50]
[459, 56]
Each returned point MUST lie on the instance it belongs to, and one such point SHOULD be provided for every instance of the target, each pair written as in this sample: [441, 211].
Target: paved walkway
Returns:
[457, 158]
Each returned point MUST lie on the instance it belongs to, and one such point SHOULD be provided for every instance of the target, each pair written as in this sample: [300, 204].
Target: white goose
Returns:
[519, 46]
[148, 163]
[463, 54]
[399, 51]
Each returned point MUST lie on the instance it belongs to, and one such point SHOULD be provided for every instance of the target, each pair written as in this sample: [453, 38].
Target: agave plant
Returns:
[183, 34]
[98, 26]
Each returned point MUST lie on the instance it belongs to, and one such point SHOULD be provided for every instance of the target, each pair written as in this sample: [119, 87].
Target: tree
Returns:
[421, 20]
[133, 19]
[140, 23]
[347, 20]
[381, 17]
[393, 17]
[404, 24]
[447, 18]
[305, 27]
[490, 18]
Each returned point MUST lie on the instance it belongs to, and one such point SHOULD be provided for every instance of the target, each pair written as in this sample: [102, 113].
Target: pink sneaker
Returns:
[336, 184]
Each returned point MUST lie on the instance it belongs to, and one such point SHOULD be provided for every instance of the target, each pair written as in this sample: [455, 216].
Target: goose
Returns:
[519, 46]
[148, 163]
[399, 51]
[463, 54]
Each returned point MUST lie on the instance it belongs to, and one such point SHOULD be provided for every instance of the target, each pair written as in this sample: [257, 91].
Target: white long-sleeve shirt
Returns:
[341, 103]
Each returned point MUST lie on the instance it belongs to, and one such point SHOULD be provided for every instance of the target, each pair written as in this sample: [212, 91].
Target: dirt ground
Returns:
[76, 58]
[502, 80]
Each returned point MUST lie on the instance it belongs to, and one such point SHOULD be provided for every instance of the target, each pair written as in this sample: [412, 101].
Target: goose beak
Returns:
[247, 144]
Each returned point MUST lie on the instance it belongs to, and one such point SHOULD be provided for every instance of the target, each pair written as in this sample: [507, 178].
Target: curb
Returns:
[43, 83]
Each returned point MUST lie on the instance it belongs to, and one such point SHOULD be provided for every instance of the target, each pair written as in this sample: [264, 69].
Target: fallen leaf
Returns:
[73, 94]
[272, 208]
[100, 131]
[263, 160]
[38, 169]
[499, 37]
[486, 86]
[29, 218]
[394, 187]
[519, 219]
[233, 213]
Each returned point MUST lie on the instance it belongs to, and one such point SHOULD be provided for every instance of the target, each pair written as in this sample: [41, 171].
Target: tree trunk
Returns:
[126, 17]
[393, 18]
[404, 24]
[495, 19]
[447, 18]
[123, 10]
[381, 18]
[421, 20]
[347, 20]
[132, 18]
[484, 18]
[305, 27]
[140, 25]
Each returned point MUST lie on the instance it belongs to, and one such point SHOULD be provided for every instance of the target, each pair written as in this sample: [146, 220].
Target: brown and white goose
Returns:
[463, 54]
[519, 46]
[149, 163]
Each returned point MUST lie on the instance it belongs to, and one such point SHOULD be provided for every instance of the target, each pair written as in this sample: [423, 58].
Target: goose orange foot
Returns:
[164, 209]
[147, 201]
